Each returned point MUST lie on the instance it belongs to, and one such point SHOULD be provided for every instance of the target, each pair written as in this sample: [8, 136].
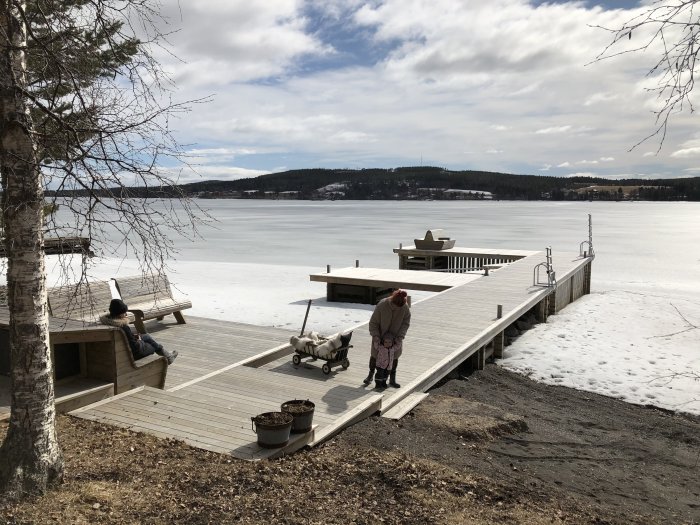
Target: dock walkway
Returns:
[211, 407]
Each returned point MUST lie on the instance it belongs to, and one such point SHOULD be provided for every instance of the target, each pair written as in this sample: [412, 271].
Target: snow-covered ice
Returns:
[642, 348]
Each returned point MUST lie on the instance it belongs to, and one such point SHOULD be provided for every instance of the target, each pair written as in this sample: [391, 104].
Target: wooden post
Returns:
[357, 263]
[552, 303]
[499, 311]
[498, 344]
[541, 311]
[328, 268]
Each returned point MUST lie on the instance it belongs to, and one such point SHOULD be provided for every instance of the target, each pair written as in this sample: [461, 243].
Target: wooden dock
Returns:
[226, 374]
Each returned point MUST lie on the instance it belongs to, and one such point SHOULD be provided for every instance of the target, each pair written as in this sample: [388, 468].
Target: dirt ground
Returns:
[494, 448]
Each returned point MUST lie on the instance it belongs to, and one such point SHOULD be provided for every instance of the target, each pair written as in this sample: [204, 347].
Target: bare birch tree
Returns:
[84, 110]
[670, 30]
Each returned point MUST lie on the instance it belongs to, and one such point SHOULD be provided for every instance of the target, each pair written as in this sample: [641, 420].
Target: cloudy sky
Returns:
[496, 85]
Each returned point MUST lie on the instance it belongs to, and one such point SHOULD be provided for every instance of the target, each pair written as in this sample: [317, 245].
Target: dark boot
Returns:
[392, 376]
[380, 380]
[370, 376]
[169, 356]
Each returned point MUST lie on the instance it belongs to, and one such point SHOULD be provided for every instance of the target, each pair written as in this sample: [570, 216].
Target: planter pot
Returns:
[303, 413]
[272, 428]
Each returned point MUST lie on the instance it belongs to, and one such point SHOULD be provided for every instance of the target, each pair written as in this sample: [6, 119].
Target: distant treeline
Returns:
[431, 182]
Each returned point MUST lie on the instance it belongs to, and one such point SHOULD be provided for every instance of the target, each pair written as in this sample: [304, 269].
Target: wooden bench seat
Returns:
[150, 298]
[85, 301]
[113, 361]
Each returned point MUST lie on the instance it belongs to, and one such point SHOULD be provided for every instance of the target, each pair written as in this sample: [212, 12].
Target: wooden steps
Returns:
[404, 406]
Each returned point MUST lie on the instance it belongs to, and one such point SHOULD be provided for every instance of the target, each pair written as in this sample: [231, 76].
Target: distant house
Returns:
[288, 194]
[333, 191]
[425, 193]
[468, 194]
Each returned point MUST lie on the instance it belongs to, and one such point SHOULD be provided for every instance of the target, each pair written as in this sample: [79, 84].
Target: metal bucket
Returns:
[272, 428]
[303, 413]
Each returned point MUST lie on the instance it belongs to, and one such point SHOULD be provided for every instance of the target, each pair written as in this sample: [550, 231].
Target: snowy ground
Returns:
[643, 348]
[640, 344]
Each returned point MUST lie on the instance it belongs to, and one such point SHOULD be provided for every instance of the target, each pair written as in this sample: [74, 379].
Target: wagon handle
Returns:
[308, 307]
[252, 425]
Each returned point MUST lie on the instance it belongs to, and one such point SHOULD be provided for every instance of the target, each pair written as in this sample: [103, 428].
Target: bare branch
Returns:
[675, 28]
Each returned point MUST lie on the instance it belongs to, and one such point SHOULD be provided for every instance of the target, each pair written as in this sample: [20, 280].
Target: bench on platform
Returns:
[113, 361]
[84, 301]
[150, 298]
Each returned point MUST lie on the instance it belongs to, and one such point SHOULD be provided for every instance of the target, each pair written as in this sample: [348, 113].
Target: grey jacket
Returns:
[389, 318]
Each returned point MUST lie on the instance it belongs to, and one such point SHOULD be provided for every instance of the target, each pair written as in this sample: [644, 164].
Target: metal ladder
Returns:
[549, 269]
[581, 249]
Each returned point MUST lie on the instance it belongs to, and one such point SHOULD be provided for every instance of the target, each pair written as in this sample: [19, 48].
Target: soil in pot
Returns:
[303, 413]
[272, 428]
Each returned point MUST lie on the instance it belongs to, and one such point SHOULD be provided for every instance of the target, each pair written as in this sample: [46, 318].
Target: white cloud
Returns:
[453, 75]
[220, 42]
[587, 162]
[686, 152]
[597, 98]
[553, 129]
[223, 173]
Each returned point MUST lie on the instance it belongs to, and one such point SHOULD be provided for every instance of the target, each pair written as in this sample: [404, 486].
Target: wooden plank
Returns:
[404, 406]
[369, 406]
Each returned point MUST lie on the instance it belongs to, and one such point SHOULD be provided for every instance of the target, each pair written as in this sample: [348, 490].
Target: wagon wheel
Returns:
[345, 364]
[326, 369]
[296, 359]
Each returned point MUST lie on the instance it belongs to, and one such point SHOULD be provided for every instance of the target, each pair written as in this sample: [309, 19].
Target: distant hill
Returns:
[431, 183]
[426, 182]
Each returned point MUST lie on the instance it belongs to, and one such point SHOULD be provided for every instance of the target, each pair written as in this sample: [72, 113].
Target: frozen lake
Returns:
[636, 242]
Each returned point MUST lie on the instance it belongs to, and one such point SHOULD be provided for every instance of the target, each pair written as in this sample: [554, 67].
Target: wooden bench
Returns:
[113, 361]
[150, 298]
[84, 301]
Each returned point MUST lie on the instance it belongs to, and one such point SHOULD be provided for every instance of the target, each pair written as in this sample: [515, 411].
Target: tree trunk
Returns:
[30, 458]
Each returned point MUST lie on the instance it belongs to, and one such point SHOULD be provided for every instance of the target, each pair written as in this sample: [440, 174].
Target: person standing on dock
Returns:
[390, 320]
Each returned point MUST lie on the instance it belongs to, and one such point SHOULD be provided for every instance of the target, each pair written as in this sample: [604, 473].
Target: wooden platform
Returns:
[211, 407]
[368, 285]
[70, 394]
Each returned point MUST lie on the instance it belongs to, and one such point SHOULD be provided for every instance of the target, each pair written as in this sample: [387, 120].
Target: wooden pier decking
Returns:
[369, 285]
[218, 382]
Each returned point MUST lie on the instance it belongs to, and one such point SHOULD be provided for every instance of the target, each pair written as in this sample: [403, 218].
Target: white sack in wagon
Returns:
[319, 346]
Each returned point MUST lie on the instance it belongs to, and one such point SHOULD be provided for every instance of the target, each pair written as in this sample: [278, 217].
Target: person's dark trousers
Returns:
[372, 366]
[392, 376]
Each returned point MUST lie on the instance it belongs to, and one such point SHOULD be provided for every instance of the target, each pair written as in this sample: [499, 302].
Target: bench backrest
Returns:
[85, 300]
[144, 289]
